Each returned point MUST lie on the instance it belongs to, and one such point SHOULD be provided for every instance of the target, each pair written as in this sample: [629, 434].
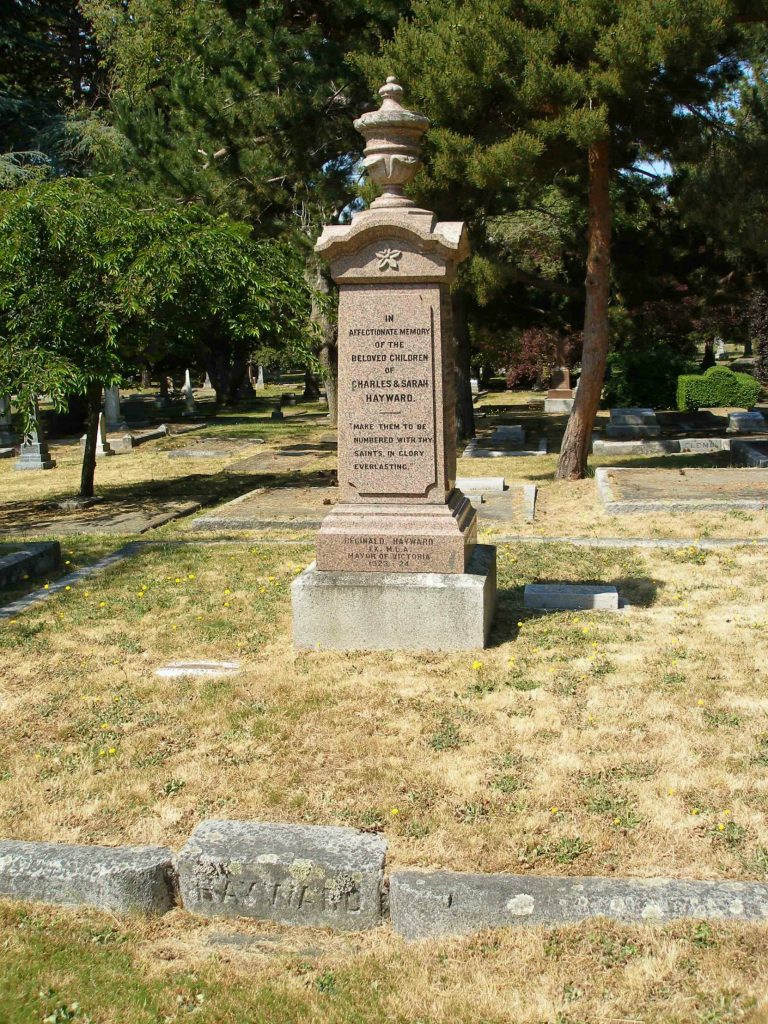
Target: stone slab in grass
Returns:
[267, 507]
[195, 668]
[122, 878]
[625, 491]
[375, 611]
[671, 446]
[567, 596]
[32, 559]
[480, 484]
[750, 453]
[295, 874]
[434, 903]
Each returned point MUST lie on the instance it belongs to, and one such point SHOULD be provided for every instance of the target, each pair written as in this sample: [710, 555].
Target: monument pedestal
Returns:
[398, 566]
[399, 538]
[399, 611]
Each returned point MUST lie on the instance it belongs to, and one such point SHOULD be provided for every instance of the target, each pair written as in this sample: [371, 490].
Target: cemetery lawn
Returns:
[632, 743]
[93, 967]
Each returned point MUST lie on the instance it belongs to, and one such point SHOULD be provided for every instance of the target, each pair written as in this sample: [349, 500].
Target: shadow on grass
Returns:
[638, 591]
[119, 499]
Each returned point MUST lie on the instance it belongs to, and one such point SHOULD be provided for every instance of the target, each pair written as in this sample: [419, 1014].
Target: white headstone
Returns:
[112, 409]
[259, 382]
[190, 408]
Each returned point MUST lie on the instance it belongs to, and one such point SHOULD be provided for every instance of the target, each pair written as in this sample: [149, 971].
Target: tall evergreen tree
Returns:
[534, 86]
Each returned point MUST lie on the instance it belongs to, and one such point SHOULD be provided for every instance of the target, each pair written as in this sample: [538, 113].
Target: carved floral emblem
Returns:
[388, 259]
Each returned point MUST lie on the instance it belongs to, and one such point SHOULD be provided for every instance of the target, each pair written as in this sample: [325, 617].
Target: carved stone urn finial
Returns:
[393, 144]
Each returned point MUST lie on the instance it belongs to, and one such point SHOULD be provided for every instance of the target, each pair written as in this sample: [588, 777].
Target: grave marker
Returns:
[399, 510]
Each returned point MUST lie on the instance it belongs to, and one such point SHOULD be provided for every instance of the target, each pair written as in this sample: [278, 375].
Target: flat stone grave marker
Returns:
[566, 596]
[194, 668]
[676, 490]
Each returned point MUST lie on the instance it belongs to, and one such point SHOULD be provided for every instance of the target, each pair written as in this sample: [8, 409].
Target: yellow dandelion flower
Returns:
[102, 604]
[46, 586]
[191, 576]
[721, 827]
[476, 665]
[700, 703]
[726, 811]
[113, 750]
[695, 810]
[226, 604]
[553, 810]
[394, 811]
[519, 624]
[102, 753]
[617, 821]
[227, 591]
[105, 725]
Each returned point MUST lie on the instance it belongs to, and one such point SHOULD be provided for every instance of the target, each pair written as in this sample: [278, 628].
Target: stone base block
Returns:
[514, 434]
[746, 423]
[631, 431]
[362, 611]
[122, 878]
[34, 456]
[433, 903]
[558, 405]
[398, 538]
[566, 596]
[480, 484]
[296, 874]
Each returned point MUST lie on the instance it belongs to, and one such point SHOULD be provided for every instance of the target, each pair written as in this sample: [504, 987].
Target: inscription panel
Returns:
[388, 434]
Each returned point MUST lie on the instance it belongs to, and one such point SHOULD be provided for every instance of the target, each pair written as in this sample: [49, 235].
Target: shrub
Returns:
[645, 377]
[719, 386]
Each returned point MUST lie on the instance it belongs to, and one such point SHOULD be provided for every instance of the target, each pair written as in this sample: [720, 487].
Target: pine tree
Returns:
[533, 87]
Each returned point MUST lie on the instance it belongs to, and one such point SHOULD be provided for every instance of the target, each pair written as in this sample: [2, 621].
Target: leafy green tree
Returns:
[245, 107]
[91, 282]
[592, 86]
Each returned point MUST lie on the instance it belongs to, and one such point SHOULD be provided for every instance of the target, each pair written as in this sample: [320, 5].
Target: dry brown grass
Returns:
[576, 744]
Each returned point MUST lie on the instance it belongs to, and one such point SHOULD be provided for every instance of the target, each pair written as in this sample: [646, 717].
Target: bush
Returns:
[719, 386]
[645, 377]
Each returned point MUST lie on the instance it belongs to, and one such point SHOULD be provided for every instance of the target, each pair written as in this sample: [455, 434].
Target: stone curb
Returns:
[123, 878]
[36, 558]
[38, 596]
[436, 903]
[617, 506]
[311, 875]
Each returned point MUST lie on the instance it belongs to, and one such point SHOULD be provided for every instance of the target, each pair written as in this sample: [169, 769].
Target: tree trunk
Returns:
[329, 361]
[311, 386]
[465, 412]
[324, 326]
[93, 398]
[573, 452]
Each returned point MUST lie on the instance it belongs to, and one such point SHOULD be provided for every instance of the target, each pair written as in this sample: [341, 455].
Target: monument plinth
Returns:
[399, 510]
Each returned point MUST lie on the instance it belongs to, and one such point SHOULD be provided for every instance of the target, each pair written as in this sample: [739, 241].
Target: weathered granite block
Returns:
[563, 596]
[639, 447]
[558, 405]
[366, 611]
[296, 874]
[33, 560]
[629, 431]
[628, 415]
[120, 878]
[746, 422]
[428, 904]
[508, 434]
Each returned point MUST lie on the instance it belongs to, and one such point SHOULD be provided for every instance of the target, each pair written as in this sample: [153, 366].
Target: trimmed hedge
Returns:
[717, 386]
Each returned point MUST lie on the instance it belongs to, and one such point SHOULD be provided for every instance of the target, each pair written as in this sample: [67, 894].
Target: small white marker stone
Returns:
[176, 669]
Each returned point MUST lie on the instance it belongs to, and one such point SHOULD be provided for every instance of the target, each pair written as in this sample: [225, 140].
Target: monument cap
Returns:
[393, 145]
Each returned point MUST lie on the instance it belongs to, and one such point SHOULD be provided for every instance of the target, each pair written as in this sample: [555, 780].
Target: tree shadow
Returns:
[634, 591]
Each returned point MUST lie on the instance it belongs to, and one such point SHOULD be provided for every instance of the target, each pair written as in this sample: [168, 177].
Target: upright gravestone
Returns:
[398, 565]
[112, 410]
[7, 436]
[259, 381]
[190, 407]
[34, 453]
[560, 395]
